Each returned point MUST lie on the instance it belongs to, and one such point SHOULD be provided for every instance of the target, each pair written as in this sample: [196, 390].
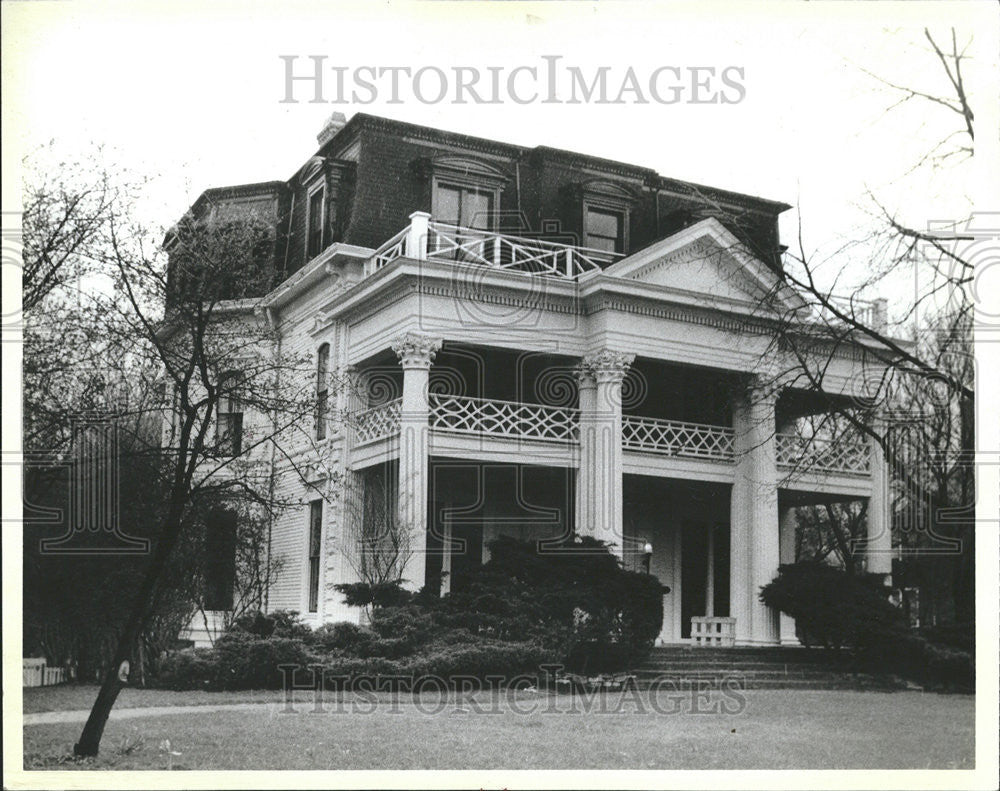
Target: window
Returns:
[604, 229]
[219, 562]
[229, 426]
[464, 206]
[322, 389]
[315, 535]
[314, 233]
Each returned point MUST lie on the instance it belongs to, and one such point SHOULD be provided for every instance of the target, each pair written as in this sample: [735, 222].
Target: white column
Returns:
[786, 529]
[417, 236]
[710, 572]
[584, 505]
[878, 543]
[599, 480]
[754, 517]
[415, 352]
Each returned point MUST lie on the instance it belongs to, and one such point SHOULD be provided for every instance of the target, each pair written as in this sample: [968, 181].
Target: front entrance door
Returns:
[704, 571]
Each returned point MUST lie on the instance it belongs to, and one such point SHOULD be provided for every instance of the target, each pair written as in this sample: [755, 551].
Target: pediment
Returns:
[706, 259]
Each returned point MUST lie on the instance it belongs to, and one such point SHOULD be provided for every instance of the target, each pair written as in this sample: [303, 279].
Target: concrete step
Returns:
[769, 667]
[716, 672]
[786, 683]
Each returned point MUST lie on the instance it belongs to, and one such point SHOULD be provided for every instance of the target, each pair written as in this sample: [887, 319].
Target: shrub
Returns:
[190, 668]
[835, 609]
[959, 636]
[574, 601]
[280, 623]
[237, 661]
[342, 636]
[831, 607]
[382, 594]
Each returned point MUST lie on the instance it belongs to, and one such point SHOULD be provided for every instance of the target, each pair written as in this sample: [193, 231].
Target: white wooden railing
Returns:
[424, 239]
[518, 420]
[850, 456]
[503, 418]
[674, 438]
[867, 312]
[377, 422]
[709, 630]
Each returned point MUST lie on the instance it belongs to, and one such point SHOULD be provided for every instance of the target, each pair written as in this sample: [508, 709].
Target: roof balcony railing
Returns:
[424, 240]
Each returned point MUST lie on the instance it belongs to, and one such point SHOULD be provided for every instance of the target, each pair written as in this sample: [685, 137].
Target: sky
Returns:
[190, 94]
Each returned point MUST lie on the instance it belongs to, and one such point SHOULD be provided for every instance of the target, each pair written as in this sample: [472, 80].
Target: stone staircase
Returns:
[683, 667]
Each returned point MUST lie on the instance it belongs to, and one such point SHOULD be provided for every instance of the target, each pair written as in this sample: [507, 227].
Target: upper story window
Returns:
[315, 222]
[322, 389]
[229, 425]
[606, 208]
[604, 229]
[463, 205]
[465, 192]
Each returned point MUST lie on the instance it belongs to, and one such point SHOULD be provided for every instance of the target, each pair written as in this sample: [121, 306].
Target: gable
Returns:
[706, 259]
[702, 269]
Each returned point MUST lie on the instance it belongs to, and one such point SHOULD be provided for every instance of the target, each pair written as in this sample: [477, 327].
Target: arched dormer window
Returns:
[322, 390]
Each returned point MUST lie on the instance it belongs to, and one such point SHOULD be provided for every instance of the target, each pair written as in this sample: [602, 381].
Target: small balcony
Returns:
[424, 239]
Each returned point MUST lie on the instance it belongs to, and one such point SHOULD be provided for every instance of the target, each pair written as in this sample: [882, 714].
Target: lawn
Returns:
[778, 729]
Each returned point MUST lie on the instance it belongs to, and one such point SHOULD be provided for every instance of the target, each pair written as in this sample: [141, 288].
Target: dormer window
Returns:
[315, 222]
[605, 208]
[604, 229]
[464, 192]
[463, 205]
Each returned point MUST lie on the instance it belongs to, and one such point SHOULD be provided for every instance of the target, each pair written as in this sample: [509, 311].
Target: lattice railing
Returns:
[502, 251]
[804, 454]
[488, 248]
[390, 250]
[673, 438]
[377, 422]
[503, 418]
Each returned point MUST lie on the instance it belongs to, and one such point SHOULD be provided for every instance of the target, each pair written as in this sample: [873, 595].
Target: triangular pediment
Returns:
[705, 259]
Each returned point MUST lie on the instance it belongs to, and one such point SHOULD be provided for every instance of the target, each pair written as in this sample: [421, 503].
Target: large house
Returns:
[539, 343]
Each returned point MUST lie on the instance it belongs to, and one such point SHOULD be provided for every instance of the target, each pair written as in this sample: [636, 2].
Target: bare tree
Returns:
[187, 339]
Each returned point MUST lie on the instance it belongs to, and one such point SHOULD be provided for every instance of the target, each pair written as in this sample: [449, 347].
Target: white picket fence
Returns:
[38, 674]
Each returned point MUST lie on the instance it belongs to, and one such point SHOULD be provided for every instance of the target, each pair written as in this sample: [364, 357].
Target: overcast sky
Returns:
[191, 93]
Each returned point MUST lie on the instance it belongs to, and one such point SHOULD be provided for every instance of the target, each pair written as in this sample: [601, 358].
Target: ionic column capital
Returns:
[416, 350]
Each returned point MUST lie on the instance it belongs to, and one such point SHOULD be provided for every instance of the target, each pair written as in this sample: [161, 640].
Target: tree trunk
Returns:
[90, 738]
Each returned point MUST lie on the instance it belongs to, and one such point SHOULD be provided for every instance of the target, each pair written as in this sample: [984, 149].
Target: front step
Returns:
[769, 667]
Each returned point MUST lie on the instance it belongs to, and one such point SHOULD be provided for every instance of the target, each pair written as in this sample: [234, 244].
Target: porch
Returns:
[637, 450]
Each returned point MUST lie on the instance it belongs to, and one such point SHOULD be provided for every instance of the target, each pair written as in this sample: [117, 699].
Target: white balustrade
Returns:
[709, 630]
[823, 455]
[495, 250]
[674, 438]
[503, 418]
[377, 422]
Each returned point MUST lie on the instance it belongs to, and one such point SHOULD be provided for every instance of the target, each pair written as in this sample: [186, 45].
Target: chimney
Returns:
[333, 124]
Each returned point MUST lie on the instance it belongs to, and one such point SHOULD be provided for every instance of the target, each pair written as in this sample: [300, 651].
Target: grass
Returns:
[777, 729]
[74, 697]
